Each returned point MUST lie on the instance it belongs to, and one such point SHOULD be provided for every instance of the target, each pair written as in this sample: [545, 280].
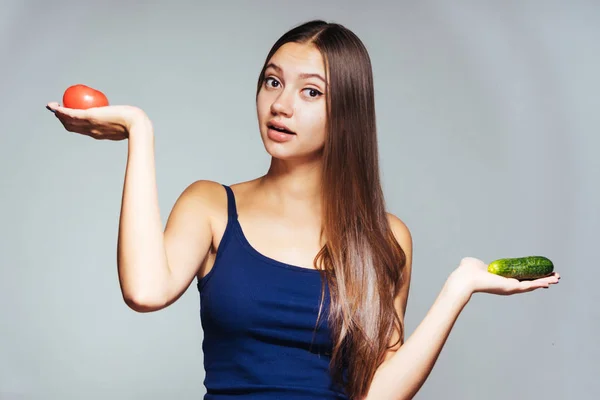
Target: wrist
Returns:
[139, 126]
[459, 288]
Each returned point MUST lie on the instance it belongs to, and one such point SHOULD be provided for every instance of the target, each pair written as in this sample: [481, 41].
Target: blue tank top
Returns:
[258, 316]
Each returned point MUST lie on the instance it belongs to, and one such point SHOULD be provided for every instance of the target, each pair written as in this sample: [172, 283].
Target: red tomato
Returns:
[83, 97]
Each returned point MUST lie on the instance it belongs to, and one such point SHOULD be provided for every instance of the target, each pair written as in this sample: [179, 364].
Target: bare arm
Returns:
[156, 267]
[402, 375]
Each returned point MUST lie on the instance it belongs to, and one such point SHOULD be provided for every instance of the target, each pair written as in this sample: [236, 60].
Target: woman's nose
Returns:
[283, 105]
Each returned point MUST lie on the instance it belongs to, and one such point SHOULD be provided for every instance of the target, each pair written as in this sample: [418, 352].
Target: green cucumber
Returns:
[521, 268]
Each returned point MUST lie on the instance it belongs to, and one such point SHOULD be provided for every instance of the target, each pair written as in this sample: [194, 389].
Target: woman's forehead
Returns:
[297, 58]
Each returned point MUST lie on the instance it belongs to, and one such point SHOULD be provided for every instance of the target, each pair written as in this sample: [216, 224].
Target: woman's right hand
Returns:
[103, 123]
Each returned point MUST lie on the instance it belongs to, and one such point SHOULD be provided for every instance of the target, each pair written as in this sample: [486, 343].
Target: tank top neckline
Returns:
[239, 232]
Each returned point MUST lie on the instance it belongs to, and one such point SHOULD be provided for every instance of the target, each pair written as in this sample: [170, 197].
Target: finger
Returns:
[58, 109]
[69, 112]
[52, 106]
[552, 279]
[533, 285]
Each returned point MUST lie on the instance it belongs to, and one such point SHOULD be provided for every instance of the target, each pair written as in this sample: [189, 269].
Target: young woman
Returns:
[303, 275]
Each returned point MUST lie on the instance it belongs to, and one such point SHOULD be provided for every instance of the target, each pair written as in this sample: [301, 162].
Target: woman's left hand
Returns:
[472, 276]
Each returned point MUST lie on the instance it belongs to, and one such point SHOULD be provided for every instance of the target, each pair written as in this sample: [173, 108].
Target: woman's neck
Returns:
[294, 183]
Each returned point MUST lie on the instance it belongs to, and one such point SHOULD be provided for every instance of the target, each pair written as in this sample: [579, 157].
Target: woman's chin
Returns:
[281, 153]
[291, 155]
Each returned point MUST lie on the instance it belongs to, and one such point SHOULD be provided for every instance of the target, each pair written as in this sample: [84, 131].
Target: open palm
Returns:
[102, 123]
[473, 273]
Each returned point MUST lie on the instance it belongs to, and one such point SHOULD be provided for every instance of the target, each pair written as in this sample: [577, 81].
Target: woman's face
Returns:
[292, 97]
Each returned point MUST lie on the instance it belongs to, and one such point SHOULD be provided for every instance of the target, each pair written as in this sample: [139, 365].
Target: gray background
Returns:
[488, 124]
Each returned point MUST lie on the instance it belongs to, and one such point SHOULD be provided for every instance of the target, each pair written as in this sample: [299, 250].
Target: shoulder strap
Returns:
[231, 207]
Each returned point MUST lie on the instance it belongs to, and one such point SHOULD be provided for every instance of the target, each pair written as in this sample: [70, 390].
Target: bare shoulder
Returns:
[404, 239]
[204, 191]
[401, 232]
[208, 199]
[196, 207]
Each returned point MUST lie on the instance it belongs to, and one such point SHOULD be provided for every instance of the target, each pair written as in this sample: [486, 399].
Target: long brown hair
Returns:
[361, 260]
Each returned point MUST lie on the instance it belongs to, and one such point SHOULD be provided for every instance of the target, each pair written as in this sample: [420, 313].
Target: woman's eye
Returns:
[314, 93]
[274, 82]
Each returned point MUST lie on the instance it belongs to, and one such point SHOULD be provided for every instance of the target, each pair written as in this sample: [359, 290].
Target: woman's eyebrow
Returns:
[302, 76]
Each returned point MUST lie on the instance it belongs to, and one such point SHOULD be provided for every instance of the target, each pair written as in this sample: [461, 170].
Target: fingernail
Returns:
[50, 109]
